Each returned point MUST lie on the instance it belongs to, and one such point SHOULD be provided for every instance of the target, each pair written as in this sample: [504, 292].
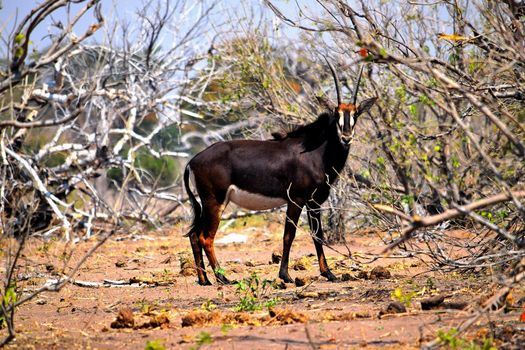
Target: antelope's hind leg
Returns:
[196, 247]
[314, 221]
[211, 218]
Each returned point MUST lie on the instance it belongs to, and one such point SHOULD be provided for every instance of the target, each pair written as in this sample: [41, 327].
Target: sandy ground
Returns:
[168, 308]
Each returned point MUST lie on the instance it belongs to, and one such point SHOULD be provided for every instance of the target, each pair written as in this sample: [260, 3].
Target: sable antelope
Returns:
[295, 169]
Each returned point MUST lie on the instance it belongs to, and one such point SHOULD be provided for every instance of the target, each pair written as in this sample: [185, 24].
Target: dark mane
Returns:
[313, 134]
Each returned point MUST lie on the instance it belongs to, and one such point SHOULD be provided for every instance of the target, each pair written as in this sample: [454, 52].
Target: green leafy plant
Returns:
[145, 306]
[430, 284]
[250, 291]
[8, 299]
[155, 344]
[450, 338]
[220, 271]
[203, 338]
[208, 305]
[44, 248]
[402, 297]
[226, 328]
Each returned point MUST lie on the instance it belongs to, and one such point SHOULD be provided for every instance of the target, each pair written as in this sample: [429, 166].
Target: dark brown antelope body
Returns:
[295, 170]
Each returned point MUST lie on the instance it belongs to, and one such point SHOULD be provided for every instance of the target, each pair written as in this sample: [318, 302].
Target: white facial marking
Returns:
[252, 201]
[341, 119]
[352, 120]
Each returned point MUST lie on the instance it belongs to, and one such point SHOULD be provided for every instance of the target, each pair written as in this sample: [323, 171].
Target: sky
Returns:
[12, 12]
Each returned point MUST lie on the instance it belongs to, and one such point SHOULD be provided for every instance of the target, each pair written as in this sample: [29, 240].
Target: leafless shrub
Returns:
[444, 148]
[86, 128]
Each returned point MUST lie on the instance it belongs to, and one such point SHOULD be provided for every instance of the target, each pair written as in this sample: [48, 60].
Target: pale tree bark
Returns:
[75, 111]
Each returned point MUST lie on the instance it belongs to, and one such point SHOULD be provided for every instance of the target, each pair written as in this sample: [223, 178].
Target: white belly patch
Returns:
[252, 201]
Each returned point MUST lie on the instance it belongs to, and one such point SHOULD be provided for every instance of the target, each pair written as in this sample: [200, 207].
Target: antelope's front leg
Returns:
[314, 220]
[293, 212]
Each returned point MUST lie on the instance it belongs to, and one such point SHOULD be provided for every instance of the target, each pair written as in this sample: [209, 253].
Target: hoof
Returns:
[330, 276]
[221, 279]
[206, 282]
[286, 278]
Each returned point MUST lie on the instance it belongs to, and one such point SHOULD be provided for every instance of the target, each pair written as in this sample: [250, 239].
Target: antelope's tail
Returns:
[195, 205]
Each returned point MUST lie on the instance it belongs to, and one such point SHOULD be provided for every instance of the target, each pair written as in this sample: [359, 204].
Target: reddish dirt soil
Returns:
[320, 315]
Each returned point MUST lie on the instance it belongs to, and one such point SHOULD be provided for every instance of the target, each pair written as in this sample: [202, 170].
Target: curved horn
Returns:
[336, 80]
[356, 85]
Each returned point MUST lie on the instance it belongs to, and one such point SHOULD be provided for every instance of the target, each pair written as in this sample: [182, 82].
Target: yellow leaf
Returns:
[19, 38]
[94, 27]
[187, 338]
[452, 37]
[397, 293]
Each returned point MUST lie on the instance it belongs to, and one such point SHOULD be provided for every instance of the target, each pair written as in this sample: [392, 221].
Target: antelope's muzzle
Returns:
[346, 139]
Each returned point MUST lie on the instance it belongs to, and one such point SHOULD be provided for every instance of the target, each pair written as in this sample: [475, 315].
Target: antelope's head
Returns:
[347, 113]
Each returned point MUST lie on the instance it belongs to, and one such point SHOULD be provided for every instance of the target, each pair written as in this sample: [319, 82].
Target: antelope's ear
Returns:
[278, 135]
[365, 105]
